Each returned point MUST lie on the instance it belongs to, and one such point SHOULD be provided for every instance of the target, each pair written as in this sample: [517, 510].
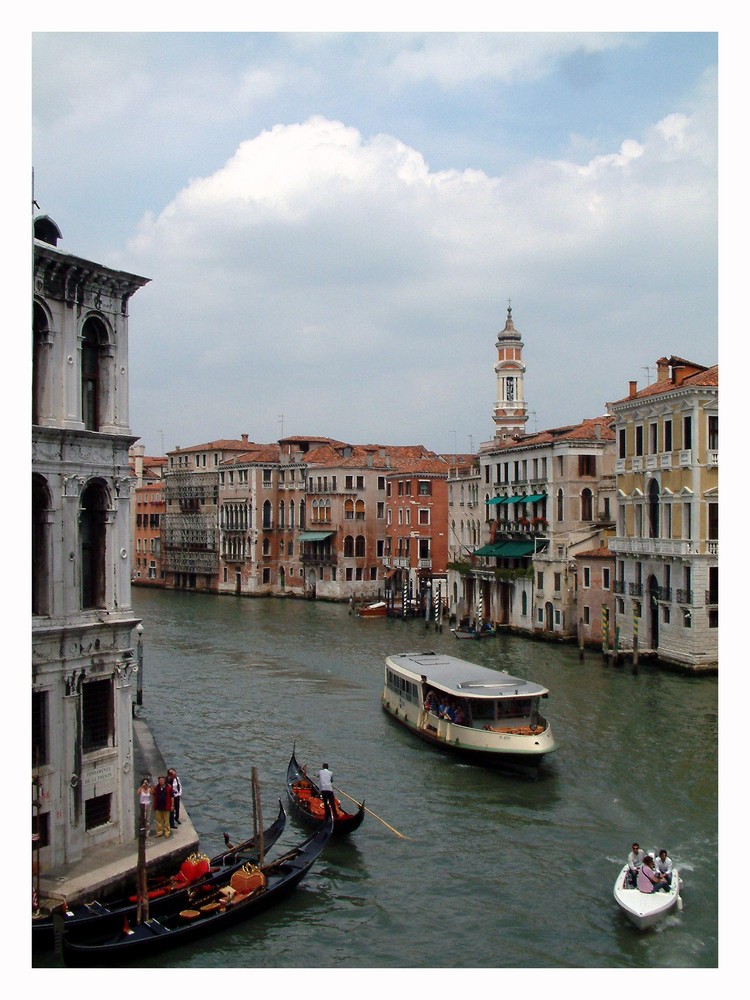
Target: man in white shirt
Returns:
[635, 860]
[325, 783]
[664, 865]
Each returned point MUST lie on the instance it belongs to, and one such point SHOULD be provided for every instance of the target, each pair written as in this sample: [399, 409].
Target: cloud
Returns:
[317, 251]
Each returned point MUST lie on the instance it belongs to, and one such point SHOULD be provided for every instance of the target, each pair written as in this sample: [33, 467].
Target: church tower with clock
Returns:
[510, 412]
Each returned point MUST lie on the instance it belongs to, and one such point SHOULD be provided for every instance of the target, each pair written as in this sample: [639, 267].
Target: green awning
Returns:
[314, 536]
[497, 500]
[521, 499]
[490, 550]
[514, 550]
[536, 496]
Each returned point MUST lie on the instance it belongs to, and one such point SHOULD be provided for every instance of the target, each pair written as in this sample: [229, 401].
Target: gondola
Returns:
[307, 802]
[239, 896]
[163, 892]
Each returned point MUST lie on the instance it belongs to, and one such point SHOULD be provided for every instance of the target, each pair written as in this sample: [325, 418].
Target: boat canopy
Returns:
[462, 678]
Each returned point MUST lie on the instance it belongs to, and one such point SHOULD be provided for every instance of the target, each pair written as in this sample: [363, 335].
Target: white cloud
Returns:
[316, 251]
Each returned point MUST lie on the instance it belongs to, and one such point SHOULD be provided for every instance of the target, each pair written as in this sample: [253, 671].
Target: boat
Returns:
[377, 610]
[239, 896]
[195, 871]
[483, 630]
[307, 802]
[645, 909]
[483, 715]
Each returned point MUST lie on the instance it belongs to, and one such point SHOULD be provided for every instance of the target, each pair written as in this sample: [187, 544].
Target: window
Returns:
[653, 509]
[39, 728]
[98, 715]
[359, 546]
[40, 547]
[424, 515]
[381, 482]
[540, 580]
[639, 440]
[606, 584]
[713, 521]
[587, 465]
[92, 534]
[91, 341]
[586, 615]
[558, 582]
[621, 443]
[425, 487]
[668, 434]
[587, 505]
[687, 433]
[560, 505]
[713, 432]
[380, 512]
[586, 576]
[360, 482]
[653, 438]
[98, 811]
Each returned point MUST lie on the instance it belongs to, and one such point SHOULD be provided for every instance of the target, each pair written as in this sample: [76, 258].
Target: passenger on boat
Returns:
[635, 860]
[649, 879]
[664, 865]
[430, 702]
[460, 718]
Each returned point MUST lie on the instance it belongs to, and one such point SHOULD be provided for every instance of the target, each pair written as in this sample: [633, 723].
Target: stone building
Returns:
[82, 620]
[667, 541]
[416, 544]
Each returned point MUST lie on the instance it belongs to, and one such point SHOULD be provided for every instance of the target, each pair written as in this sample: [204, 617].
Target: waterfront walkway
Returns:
[109, 870]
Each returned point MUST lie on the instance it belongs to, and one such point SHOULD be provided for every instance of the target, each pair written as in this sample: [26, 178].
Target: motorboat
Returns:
[645, 909]
[483, 715]
[378, 609]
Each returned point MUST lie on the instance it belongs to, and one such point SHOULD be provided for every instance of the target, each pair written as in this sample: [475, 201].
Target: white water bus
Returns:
[488, 716]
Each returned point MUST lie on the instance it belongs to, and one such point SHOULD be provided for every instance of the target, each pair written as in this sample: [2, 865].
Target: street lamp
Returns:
[139, 653]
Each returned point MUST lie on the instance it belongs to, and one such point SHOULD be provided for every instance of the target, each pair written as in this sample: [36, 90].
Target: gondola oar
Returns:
[371, 813]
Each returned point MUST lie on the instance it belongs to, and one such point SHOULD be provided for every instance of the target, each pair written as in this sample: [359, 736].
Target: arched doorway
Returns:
[549, 617]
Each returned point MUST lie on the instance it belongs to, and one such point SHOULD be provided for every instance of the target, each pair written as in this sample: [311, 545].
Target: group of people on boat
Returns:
[444, 707]
[649, 874]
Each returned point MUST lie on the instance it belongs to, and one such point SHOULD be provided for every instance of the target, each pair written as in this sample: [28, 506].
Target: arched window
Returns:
[653, 509]
[587, 505]
[282, 512]
[291, 513]
[327, 516]
[348, 546]
[93, 541]
[560, 507]
[359, 510]
[349, 510]
[92, 340]
[267, 514]
[302, 513]
[39, 387]
[314, 516]
[524, 603]
[359, 546]
[40, 546]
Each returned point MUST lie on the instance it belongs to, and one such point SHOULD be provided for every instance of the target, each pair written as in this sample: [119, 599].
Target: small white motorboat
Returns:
[646, 908]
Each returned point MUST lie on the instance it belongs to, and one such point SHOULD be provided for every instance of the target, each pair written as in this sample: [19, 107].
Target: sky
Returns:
[334, 222]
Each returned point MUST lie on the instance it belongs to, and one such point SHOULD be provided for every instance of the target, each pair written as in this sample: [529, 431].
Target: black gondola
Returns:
[229, 903]
[164, 892]
[307, 802]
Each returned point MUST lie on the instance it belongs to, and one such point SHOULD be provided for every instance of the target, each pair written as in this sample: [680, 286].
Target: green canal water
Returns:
[497, 871]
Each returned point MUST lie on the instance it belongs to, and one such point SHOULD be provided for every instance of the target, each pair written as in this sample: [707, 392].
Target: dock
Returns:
[110, 871]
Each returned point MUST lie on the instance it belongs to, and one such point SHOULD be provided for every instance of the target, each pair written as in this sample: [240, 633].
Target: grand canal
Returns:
[497, 871]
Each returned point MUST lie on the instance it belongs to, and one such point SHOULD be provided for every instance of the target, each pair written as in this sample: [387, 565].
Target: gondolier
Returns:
[176, 797]
[325, 783]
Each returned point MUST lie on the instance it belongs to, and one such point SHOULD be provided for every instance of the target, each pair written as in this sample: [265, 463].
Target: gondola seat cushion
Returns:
[189, 914]
[247, 880]
[195, 867]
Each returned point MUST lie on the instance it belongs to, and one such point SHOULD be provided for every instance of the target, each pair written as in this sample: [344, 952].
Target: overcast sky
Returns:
[333, 223]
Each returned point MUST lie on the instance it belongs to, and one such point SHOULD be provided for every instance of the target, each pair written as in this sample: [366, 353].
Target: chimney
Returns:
[244, 438]
[633, 389]
[662, 370]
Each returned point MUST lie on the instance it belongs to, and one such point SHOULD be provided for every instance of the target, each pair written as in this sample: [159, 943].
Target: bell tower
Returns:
[510, 413]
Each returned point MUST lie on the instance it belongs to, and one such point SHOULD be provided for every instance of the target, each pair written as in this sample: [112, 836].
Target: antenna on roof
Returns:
[648, 374]
[281, 421]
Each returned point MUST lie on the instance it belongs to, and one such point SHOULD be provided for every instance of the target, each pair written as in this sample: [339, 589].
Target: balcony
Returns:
[684, 596]
[652, 546]
[424, 564]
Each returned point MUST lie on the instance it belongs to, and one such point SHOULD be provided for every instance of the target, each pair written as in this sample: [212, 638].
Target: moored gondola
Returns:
[240, 895]
[163, 892]
[307, 802]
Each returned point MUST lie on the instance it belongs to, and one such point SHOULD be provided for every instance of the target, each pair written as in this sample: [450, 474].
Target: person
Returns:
[174, 781]
[649, 879]
[325, 784]
[635, 860]
[162, 794]
[144, 799]
[664, 865]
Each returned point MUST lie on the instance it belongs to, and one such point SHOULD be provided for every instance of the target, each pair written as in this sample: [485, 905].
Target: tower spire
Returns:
[510, 412]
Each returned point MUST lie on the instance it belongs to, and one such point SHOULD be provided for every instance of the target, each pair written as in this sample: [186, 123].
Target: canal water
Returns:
[493, 871]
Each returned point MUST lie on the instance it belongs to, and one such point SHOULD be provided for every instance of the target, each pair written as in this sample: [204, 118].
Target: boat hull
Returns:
[110, 916]
[644, 909]
[174, 929]
[344, 822]
[454, 739]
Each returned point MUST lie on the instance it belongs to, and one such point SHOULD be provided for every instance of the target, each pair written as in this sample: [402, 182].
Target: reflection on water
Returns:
[499, 871]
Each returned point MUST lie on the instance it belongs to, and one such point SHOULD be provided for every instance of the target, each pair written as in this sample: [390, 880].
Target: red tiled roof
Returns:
[586, 430]
[706, 376]
[600, 553]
